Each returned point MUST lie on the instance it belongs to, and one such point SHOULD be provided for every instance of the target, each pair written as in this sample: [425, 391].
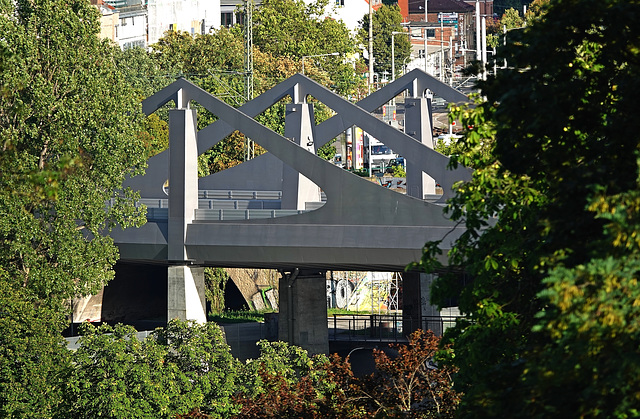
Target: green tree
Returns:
[215, 282]
[511, 19]
[291, 29]
[284, 382]
[176, 370]
[410, 384]
[536, 10]
[551, 217]
[33, 359]
[386, 19]
[68, 108]
[69, 130]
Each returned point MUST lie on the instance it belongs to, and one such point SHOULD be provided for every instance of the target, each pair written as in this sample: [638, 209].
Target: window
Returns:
[340, 3]
[431, 33]
[226, 19]
[380, 150]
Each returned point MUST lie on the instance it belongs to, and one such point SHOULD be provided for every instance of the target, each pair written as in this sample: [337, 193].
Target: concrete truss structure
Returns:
[361, 226]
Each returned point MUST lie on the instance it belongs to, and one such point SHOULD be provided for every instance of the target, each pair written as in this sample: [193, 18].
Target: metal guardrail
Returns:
[230, 194]
[228, 205]
[385, 327]
[249, 214]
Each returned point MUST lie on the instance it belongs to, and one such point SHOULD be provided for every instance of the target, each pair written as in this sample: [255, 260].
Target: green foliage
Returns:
[215, 280]
[174, 371]
[386, 19]
[501, 6]
[551, 222]
[327, 151]
[536, 11]
[398, 171]
[285, 382]
[293, 28]
[70, 129]
[69, 124]
[411, 384]
[511, 19]
[230, 316]
[33, 358]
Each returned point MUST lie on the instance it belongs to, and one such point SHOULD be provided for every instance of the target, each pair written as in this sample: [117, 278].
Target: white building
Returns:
[132, 28]
[193, 16]
[140, 23]
[350, 12]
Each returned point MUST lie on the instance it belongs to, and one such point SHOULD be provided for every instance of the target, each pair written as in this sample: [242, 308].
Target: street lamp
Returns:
[425, 7]
[393, 52]
[317, 55]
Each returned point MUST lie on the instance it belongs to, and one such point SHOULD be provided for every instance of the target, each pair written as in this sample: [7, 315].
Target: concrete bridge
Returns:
[289, 209]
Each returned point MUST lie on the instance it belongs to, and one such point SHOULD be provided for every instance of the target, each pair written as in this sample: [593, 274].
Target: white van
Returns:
[381, 155]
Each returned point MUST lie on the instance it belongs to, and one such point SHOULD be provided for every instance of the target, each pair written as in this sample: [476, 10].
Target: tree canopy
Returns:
[550, 253]
[386, 20]
[70, 131]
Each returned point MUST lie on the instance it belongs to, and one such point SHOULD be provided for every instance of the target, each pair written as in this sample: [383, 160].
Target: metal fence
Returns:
[384, 327]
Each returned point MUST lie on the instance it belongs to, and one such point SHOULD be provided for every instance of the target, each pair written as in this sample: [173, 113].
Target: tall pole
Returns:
[249, 66]
[478, 47]
[393, 52]
[441, 49]
[451, 59]
[393, 57]
[426, 13]
[425, 32]
[484, 48]
[370, 45]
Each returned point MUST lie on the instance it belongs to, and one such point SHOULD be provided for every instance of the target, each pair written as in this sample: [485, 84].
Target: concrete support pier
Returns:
[186, 294]
[418, 125]
[417, 305]
[303, 310]
[299, 127]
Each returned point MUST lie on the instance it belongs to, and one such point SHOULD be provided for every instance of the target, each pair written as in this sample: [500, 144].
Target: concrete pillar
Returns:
[299, 127]
[417, 310]
[303, 311]
[183, 179]
[418, 124]
[186, 296]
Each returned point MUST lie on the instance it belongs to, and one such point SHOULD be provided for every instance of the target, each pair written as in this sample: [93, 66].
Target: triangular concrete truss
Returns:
[360, 221]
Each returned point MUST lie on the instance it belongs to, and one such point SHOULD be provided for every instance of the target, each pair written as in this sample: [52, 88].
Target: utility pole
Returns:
[248, 28]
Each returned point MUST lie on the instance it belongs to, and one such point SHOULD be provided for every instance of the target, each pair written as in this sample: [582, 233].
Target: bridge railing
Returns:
[240, 214]
[384, 327]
